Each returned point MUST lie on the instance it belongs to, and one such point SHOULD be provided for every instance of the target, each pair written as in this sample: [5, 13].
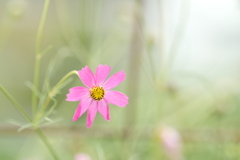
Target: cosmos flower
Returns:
[98, 93]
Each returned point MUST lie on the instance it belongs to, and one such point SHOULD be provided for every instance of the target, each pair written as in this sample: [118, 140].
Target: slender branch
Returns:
[55, 88]
[134, 58]
[41, 25]
[15, 103]
[177, 38]
[65, 78]
[36, 128]
[46, 50]
[53, 93]
[38, 55]
[36, 77]
[46, 142]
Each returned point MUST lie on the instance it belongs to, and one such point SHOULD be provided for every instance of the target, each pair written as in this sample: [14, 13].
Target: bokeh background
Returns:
[182, 59]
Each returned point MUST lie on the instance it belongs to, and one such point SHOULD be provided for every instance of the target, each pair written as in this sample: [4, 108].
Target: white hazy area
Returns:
[209, 45]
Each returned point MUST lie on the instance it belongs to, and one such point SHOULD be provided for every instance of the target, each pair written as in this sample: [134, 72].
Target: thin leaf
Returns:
[24, 127]
[62, 85]
[14, 122]
[52, 108]
[48, 119]
[33, 89]
[52, 122]
[46, 50]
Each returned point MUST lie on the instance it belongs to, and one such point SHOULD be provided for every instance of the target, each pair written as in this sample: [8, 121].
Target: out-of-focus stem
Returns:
[46, 142]
[41, 25]
[178, 35]
[15, 103]
[68, 31]
[38, 55]
[25, 115]
[52, 93]
[65, 78]
[162, 42]
[135, 55]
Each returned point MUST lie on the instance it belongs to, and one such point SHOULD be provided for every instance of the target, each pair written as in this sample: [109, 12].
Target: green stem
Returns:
[134, 58]
[36, 128]
[15, 103]
[46, 142]
[55, 88]
[46, 50]
[38, 55]
[41, 25]
[177, 40]
[65, 78]
[53, 93]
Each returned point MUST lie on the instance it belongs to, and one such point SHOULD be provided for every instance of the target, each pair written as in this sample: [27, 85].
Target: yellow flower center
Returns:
[97, 93]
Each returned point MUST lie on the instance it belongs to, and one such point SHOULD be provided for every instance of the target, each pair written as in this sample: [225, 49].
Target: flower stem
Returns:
[36, 128]
[38, 55]
[46, 142]
[65, 78]
[135, 56]
[53, 93]
[15, 103]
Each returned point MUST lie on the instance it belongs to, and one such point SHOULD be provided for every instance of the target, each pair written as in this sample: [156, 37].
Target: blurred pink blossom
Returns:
[171, 142]
[82, 156]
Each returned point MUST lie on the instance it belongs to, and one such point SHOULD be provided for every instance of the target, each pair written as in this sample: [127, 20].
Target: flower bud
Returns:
[17, 8]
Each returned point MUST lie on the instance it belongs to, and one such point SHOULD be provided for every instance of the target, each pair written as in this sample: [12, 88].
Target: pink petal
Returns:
[116, 98]
[77, 113]
[82, 107]
[92, 111]
[104, 109]
[114, 80]
[101, 74]
[87, 77]
[77, 93]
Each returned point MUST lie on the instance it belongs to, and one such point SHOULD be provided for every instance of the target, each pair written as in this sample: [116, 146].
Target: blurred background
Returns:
[182, 59]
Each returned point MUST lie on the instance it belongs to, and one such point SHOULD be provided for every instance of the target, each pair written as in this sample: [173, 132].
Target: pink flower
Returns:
[98, 93]
[172, 142]
[82, 156]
